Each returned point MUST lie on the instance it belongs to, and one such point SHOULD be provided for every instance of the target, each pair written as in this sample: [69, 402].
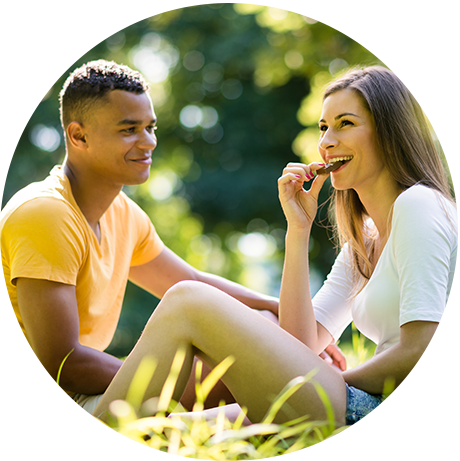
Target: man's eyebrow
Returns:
[340, 116]
[128, 121]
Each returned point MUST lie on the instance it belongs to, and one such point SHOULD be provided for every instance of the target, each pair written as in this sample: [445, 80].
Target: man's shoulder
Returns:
[37, 202]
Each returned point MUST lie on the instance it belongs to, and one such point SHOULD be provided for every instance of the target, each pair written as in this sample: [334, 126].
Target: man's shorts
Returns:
[80, 405]
[413, 418]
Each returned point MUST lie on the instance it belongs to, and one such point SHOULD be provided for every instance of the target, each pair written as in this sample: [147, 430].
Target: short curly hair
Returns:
[91, 83]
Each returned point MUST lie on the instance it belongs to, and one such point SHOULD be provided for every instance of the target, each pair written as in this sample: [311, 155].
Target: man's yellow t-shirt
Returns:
[44, 235]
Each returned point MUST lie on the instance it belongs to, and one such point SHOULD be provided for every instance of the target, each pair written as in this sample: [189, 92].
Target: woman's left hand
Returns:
[334, 356]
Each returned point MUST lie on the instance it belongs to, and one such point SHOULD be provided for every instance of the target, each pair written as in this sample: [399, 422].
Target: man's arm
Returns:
[50, 315]
[158, 275]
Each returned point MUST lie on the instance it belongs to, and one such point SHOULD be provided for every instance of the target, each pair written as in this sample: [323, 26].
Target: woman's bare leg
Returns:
[213, 325]
[219, 393]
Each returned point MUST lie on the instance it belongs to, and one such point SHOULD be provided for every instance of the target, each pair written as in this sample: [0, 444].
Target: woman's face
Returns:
[348, 133]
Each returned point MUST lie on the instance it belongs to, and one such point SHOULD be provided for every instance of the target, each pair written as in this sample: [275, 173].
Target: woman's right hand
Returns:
[299, 205]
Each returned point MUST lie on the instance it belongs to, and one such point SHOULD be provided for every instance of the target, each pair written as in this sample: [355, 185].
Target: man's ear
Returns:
[76, 135]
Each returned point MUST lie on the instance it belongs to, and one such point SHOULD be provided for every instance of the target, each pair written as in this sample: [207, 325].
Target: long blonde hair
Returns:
[408, 152]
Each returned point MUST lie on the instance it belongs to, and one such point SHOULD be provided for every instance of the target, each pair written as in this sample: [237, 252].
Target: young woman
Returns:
[396, 221]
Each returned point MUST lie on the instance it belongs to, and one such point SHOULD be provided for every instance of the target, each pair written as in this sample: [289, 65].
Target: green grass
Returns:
[174, 439]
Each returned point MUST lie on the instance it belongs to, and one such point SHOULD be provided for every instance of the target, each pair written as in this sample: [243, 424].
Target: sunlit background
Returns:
[237, 91]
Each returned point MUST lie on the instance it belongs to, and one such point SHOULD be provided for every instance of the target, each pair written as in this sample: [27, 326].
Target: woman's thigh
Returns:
[266, 357]
[219, 393]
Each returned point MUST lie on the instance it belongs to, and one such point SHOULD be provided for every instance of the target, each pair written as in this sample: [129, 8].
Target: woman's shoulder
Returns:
[420, 205]
[422, 198]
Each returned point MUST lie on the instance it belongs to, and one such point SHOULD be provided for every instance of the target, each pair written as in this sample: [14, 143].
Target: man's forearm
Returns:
[247, 296]
[88, 371]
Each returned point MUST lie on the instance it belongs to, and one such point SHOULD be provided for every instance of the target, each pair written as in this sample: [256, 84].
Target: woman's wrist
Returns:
[298, 233]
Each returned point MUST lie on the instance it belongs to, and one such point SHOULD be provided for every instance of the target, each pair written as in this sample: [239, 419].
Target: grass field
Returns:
[174, 439]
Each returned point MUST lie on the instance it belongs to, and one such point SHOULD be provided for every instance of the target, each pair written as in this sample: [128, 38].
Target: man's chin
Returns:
[139, 181]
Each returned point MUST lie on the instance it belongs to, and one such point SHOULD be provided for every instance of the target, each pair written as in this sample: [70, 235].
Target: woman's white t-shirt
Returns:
[412, 279]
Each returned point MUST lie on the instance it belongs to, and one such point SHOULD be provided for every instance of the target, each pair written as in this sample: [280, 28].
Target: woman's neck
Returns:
[378, 203]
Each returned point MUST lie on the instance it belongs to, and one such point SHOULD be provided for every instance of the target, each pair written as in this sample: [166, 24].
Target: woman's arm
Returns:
[422, 247]
[296, 311]
[390, 368]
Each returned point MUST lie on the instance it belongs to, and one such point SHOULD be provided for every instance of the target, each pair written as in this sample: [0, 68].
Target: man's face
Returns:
[120, 137]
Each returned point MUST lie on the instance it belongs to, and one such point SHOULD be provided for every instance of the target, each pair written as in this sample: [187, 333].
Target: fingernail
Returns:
[298, 176]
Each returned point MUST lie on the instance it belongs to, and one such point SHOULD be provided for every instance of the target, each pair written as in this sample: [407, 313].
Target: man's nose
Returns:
[148, 140]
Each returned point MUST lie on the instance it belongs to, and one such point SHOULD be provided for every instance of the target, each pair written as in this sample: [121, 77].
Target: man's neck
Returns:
[92, 197]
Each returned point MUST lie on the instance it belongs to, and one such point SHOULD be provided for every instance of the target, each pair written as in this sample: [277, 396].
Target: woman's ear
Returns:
[76, 135]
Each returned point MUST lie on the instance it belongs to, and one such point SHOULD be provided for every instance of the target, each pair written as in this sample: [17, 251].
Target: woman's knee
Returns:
[181, 301]
[185, 294]
[185, 290]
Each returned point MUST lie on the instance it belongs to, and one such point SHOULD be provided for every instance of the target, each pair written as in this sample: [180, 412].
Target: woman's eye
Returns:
[151, 129]
[323, 128]
[346, 122]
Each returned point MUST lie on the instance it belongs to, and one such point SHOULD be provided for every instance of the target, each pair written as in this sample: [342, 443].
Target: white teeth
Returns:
[337, 159]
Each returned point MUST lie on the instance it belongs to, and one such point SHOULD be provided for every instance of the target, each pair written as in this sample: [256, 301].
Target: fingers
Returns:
[300, 205]
[298, 173]
[337, 356]
[302, 171]
[326, 357]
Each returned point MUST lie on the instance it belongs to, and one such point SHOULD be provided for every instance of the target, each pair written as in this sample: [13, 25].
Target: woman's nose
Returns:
[328, 140]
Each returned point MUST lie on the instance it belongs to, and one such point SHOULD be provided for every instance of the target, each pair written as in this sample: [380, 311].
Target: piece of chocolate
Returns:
[329, 167]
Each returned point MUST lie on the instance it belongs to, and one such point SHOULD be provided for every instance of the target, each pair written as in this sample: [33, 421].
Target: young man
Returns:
[71, 242]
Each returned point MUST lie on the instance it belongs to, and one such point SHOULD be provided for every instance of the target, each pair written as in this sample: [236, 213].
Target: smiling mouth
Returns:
[144, 160]
[334, 164]
[341, 159]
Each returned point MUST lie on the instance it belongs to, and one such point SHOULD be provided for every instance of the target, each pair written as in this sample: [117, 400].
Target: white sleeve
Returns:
[331, 305]
[424, 250]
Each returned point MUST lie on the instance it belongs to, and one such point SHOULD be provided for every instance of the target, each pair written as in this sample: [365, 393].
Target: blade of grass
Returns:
[203, 389]
[288, 390]
[56, 396]
[140, 382]
[170, 383]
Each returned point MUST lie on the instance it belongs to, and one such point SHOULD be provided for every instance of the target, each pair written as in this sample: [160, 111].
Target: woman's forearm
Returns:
[296, 311]
[384, 372]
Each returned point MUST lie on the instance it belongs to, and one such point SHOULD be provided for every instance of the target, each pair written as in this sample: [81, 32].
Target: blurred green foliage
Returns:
[237, 92]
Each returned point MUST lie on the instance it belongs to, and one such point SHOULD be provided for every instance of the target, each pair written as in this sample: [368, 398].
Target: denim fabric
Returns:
[413, 418]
